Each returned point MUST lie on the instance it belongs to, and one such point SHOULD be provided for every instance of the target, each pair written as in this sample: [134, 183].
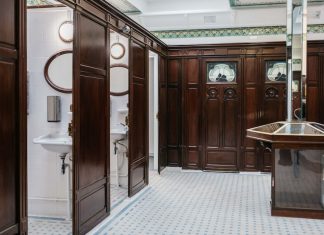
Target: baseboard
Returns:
[47, 207]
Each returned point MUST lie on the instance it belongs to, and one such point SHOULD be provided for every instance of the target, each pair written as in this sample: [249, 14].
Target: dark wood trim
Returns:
[45, 6]
[47, 77]
[308, 214]
[23, 117]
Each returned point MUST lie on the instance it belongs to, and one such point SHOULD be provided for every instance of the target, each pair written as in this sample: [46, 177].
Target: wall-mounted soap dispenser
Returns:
[53, 108]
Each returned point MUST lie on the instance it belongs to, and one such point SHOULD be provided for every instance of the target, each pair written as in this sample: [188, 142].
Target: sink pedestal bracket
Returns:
[68, 184]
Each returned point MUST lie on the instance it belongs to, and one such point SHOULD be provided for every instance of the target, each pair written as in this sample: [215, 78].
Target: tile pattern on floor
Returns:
[44, 226]
[48, 226]
[206, 203]
[117, 195]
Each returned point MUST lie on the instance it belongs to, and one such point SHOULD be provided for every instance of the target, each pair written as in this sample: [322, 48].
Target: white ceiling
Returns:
[204, 14]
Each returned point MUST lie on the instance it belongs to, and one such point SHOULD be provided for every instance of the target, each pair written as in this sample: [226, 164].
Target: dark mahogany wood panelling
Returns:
[174, 112]
[91, 139]
[12, 118]
[222, 128]
[273, 107]
[192, 114]
[313, 88]
[258, 102]
[138, 119]
[249, 158]
[162, 116]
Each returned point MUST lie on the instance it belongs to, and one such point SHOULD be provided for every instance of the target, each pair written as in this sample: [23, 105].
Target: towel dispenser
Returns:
[53, 108]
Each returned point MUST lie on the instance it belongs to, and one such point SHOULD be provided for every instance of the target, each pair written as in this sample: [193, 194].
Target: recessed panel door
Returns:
[162, 114]
[91, 128]
[138, 118]
[222, 114]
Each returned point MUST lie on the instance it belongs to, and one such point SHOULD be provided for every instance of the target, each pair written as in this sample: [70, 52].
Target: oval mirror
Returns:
[59, 71]
[117, 51]
[118, 79]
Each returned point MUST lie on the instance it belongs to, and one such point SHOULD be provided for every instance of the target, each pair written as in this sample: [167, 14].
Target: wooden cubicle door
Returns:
[13, 176]
[91, 125]
[162, 114]
[221, 113]
[138, 118]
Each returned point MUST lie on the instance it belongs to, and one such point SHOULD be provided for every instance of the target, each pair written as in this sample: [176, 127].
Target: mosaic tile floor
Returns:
[206, 203]
[117, 194]
[44, 226]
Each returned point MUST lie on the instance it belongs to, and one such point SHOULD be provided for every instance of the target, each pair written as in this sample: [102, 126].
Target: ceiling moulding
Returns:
[231, 32]
[264, 3]
[124, 6]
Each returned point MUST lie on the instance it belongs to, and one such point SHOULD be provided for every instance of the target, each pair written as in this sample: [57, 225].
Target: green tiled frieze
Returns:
[38, 3]
[225, 32]
[257, 3]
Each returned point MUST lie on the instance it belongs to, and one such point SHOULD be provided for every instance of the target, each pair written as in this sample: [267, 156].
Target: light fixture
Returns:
[126, 29]
[66, 31]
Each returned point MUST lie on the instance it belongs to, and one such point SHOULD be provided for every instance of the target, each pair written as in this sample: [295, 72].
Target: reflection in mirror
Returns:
[118, 79]
[296, 59]
[59, 71]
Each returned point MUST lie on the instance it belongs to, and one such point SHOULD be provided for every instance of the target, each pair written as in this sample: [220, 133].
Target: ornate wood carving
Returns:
[272, 93]
[212, 93]
[230, 93]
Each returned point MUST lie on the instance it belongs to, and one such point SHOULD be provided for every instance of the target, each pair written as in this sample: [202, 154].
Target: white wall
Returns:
[47, 187]
[153, 107]
[118, 102]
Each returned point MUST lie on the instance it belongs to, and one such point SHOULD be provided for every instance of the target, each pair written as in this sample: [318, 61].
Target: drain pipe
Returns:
[66, 168]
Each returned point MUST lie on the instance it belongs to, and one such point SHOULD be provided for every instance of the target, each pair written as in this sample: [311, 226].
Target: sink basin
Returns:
[118, 132]
[56, 142]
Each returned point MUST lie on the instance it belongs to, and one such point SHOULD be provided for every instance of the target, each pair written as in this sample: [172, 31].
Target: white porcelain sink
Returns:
[119, 132]
[56, 142]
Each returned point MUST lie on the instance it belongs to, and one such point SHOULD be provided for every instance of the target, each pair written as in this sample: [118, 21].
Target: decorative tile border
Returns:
[32, 3]
[231, 32]
[264, 3]
[124, 6]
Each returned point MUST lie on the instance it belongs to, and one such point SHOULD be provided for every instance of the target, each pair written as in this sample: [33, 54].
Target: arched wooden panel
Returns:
[138, 118]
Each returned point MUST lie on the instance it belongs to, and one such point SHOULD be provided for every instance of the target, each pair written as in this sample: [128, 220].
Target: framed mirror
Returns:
[58, 71]
[119, 79]
[117, 50]
[66, 31]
